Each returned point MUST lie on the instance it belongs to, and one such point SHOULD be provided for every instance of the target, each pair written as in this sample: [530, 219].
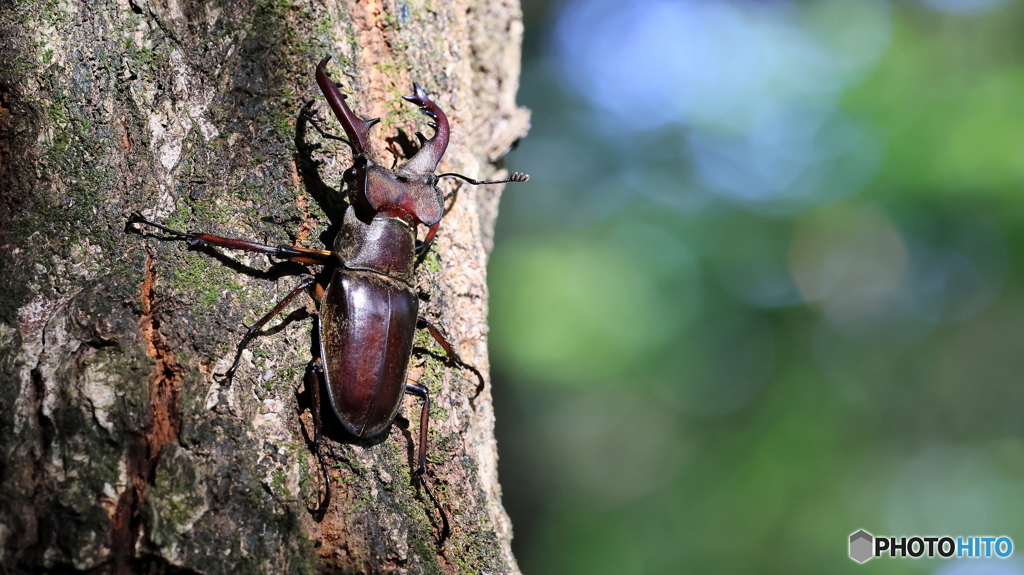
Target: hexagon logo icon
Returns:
[861, 546]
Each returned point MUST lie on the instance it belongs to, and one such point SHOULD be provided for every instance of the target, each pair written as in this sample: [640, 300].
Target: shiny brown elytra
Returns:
[368, 310]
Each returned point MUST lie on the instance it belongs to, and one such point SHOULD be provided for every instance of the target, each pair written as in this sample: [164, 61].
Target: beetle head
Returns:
[409, 191]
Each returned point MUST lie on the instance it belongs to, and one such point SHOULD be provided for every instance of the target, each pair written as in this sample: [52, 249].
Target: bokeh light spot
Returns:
[955, 490]
[982, 567]
[850, 261]
[579, 310]
[964, 6]
[756, 84]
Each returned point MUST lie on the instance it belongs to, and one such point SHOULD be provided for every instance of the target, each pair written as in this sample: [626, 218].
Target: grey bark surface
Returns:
[120, 452]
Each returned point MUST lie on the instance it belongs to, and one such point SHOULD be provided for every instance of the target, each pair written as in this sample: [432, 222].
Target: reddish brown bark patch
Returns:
[164, 427]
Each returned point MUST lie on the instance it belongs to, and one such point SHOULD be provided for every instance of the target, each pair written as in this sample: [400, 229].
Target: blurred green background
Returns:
[765, 285]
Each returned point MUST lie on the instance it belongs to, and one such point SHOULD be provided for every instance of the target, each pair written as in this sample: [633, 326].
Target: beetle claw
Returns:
[445, 527]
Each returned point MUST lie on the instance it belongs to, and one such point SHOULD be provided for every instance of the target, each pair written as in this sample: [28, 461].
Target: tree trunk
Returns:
[120, 452]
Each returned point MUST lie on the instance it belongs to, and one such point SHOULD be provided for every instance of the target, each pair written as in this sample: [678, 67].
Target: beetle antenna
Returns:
[515, 177]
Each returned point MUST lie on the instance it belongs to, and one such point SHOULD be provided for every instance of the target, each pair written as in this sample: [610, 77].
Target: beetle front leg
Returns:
[254, 329]
[422, 323]
[199, 240]
[424, 246]
[417, 389]
[314, 120]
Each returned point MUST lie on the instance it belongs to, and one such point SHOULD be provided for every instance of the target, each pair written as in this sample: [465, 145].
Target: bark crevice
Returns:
[145, 446]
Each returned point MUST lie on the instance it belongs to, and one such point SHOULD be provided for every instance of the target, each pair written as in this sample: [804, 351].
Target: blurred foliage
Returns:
[694, 377]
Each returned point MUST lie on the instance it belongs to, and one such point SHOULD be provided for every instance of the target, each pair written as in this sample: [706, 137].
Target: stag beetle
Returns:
[367, 308]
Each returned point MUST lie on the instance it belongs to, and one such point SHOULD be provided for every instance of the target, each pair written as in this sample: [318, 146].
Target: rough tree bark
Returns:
[119, 450]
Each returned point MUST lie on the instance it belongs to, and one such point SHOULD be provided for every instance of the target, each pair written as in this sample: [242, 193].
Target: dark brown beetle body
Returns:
[368, 318]
[367, 326]
[368, 310]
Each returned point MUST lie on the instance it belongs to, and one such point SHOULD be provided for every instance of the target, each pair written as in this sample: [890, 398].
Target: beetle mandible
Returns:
[367, 308]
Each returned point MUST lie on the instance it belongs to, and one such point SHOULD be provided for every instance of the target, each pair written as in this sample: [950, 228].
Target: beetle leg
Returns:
[424, 246]
[417, 389]
[314, 371]
[197, 240]
[314, 121]
[254, 329]
[422, 323]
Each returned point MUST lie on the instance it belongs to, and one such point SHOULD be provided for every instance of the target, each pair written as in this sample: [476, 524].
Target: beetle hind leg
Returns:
[422, 323]
[421, 469]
